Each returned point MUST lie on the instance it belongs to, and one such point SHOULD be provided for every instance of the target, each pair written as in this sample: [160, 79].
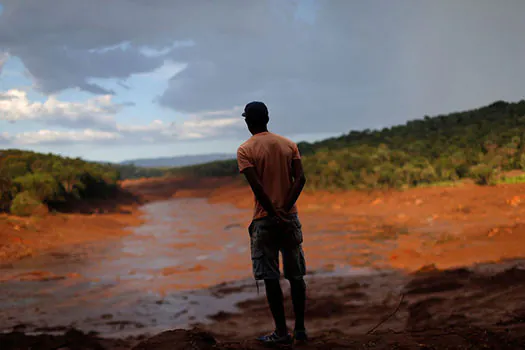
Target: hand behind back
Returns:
[282, 216]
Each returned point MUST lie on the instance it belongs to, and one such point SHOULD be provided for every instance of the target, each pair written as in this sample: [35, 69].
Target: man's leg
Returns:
[298, 289]
[294, 270]
[265, 258]
[274, 294]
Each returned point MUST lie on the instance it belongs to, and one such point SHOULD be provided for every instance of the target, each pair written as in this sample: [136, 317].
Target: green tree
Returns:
[42, 186]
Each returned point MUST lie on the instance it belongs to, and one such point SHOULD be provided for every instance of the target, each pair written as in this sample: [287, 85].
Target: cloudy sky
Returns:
[121, 79]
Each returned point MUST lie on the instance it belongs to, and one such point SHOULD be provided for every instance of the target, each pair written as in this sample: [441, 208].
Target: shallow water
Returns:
[153, 279]
[146, 281]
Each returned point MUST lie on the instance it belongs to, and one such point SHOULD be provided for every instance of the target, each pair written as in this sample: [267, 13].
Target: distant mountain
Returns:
[170, 162]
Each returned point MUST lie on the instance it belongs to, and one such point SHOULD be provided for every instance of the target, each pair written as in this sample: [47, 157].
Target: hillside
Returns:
[33, 182]
[478, 144]
[178, 161]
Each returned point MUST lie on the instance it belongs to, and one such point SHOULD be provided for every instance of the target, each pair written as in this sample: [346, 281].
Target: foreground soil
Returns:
[476, 308]
[428, 249]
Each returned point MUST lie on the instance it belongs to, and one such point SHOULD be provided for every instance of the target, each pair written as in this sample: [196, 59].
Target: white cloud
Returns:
[210, 128]
[98, 112]
[63, 137]
[191, 129]
[234, 112]
[93, 121]
[208, 124]
[156, 132]
[204, 126]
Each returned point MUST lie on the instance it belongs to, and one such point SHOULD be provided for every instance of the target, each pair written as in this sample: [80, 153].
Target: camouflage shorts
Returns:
[267, 239]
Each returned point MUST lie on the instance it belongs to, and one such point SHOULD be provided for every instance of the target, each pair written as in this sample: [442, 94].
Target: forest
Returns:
[477, 144]
[33, 182]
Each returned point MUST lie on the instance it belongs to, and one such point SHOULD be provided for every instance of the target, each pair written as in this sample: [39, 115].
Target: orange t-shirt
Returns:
[271, 155]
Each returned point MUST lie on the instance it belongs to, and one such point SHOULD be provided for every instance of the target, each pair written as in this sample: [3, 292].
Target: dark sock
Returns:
[274, 294]
[298, 288]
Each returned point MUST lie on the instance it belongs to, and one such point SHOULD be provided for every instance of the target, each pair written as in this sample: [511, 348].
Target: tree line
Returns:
[131, 171]
[31, 181]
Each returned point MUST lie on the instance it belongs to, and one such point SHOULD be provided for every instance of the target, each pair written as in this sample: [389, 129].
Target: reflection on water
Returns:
[140, 283]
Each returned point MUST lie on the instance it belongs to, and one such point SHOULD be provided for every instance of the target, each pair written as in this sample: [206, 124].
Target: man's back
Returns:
[271, 155]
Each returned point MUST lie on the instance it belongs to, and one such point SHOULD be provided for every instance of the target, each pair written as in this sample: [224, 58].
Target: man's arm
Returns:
[246, 167]
[258, 191]
[298, 184]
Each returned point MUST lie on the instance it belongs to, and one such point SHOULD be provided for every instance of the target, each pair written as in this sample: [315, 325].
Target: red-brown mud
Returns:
[432, 245]
[476, 308]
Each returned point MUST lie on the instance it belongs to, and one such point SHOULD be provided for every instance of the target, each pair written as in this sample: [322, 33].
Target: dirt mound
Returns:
[507, 278]
[438, 281]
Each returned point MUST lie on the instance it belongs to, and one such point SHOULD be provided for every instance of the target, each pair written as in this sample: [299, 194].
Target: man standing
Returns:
[272, 165]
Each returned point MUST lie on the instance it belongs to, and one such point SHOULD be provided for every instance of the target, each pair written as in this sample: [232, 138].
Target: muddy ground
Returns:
[79, 223]
[476, 308]
[444, 264]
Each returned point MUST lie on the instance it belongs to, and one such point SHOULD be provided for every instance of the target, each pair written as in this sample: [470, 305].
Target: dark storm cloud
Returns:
[359, 64]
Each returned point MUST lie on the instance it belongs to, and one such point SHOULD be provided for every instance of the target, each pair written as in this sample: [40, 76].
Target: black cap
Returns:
[256, 110]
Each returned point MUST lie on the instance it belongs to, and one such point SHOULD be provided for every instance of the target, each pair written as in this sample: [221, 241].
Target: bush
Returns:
[484, 174]
[25, 204]
[512, 180]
